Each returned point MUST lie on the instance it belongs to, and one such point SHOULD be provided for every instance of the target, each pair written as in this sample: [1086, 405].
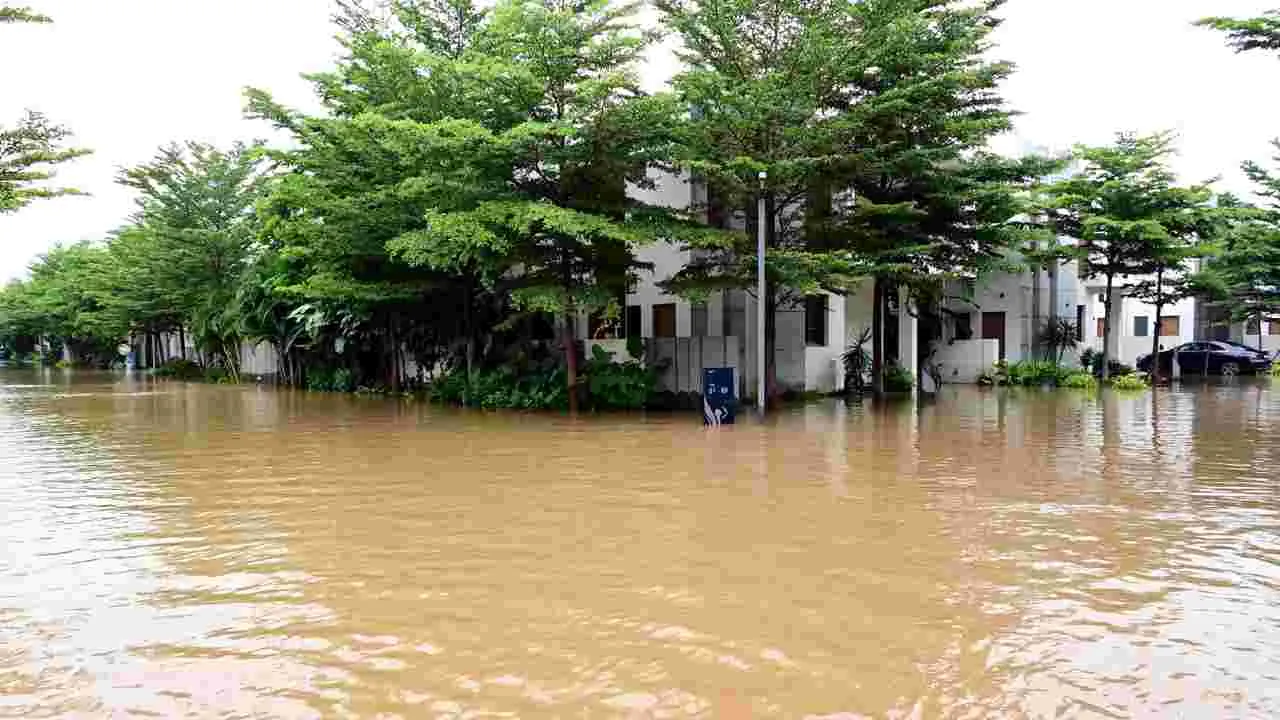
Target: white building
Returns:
[999, 317]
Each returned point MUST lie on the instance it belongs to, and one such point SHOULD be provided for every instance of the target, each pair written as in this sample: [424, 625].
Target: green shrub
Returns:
[609, 385]
[503, 388]
[1082, 380]
[626, 385]
[1031, 373]
[1036, 373]
[217, 375]
[331, 380]
[897, 379]
[1131, 381]
[1275, 369]
[180, 369]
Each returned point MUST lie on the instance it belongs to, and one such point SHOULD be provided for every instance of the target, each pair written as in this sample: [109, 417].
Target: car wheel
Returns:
[1230, 369]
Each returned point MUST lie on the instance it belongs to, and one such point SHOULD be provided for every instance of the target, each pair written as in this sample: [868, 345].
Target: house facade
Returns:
[997, 317]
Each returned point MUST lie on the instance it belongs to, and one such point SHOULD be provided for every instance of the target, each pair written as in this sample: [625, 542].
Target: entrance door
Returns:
[993, 329]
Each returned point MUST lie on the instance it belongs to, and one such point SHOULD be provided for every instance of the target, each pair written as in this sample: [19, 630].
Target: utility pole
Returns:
[760, 295]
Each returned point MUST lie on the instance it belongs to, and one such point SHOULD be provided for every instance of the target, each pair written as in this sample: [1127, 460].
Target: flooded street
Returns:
[171, 550]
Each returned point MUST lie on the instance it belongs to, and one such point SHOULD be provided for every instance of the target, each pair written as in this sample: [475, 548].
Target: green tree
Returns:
[1246, 34]
[13, 15]
[195, 227]
[1245, 275]
[868, 119]
[407, 131]
[547, 215]
[1129, 218]
[62, 304]
[31, 150]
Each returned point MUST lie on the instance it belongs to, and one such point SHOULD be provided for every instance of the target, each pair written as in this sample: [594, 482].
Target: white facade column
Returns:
[907, 325]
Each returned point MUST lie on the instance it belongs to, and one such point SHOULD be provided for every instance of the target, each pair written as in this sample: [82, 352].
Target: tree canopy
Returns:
[1130, 219]
[13, 15]
[31, 150]
[1246, 34]
[870, 121]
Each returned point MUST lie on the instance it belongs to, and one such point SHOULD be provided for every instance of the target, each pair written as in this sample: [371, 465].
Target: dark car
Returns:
[1211, 357]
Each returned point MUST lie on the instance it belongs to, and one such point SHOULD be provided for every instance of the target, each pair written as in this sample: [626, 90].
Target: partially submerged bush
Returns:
[625, 385]
[1036, 373]
[180, 369]
[1080, 380]
[1031, 373]
[331, 380]
[503, 388]
[898, 379]
[1132, 381]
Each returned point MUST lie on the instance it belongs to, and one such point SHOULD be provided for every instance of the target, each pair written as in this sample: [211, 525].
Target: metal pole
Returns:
[760, 299]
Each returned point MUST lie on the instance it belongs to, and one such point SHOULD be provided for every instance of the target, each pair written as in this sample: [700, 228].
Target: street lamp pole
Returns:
[760, 298]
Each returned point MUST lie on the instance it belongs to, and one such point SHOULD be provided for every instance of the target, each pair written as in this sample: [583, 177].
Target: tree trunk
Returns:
[1036, 311]
[182, 341]
[394, 356]
[1106, 329]
[1053, 290]
[770, 306]
[1155, 334]
[471, 343]
[571, 361]
[877, 338]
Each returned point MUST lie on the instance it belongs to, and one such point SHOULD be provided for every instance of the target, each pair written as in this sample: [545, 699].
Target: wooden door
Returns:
[664, 320]
[993, 329]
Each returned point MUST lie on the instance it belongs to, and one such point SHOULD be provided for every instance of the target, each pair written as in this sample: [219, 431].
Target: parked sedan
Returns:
[1211, 357]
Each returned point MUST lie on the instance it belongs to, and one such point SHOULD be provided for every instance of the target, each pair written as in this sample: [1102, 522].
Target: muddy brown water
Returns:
[174, 550]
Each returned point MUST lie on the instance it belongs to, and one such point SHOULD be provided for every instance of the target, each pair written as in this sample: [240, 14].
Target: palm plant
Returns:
[857, 360]
[1060, 336]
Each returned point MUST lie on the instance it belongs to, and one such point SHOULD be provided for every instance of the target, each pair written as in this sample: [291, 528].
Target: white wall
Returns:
[1129, 347]
[1270, 336]
[962, 361]
[823, 371]
[258, 359]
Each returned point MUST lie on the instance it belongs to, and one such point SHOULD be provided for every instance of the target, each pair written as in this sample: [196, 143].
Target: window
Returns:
[698, 318]
[1141, 325]
[734, 315]
[1102, 327]
[664, 320]
[1080, 323]
[633, 321]
[1273, 326]
[1251, 326]
[1170, 326]
[964, 326]
[815, 320]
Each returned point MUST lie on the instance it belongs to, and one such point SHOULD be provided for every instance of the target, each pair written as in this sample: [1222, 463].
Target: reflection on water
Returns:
[171, 550]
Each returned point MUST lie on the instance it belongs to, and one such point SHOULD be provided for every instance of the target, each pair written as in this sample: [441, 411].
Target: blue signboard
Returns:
[719, 396]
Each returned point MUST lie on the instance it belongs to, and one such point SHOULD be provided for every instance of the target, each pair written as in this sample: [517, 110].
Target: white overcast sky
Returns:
[130, 75]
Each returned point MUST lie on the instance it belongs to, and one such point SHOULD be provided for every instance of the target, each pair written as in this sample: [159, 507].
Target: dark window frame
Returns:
[817, 314]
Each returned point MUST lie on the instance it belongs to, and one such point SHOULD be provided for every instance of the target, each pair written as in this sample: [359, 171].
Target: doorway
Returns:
[993, 329]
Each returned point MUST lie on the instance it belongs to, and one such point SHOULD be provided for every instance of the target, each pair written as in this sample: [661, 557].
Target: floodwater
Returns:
[172, 550]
